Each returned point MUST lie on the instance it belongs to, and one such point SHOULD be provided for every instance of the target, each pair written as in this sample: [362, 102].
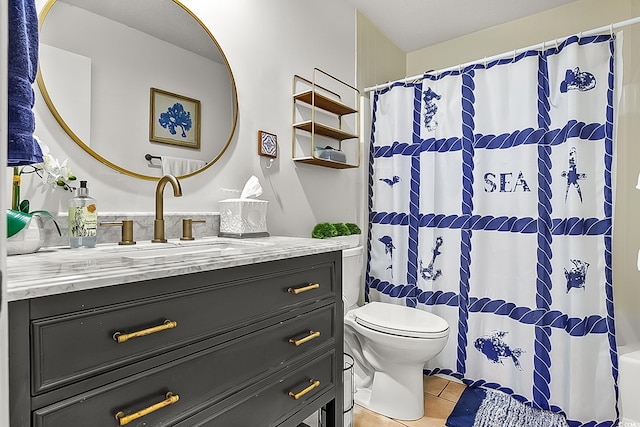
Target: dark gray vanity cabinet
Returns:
[248, 346]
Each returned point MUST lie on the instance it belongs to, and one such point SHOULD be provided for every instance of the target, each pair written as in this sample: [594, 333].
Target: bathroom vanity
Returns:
[236, 334]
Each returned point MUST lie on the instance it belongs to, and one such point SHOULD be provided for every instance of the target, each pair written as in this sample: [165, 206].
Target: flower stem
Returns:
[15, 189]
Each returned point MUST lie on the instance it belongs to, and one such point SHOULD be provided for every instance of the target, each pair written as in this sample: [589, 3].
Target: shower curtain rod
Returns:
[595, 31]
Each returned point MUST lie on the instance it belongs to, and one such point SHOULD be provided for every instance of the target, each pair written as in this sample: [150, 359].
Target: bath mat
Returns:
[478, 407]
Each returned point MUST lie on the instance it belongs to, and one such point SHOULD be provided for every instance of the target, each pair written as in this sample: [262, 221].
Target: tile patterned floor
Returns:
[440, 396]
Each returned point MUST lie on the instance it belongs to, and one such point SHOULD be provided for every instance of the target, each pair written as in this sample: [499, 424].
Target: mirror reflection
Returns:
[99, 61]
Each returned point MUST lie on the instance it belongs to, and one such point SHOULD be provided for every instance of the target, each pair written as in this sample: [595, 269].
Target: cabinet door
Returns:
[71, 347]
[270, 402]
[198, 380]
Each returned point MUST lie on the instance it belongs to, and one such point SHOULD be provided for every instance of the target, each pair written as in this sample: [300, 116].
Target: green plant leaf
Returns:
[324, 230]
[342, 229]
[16, 221]
[353, 228]
[48, 215]
[24, 206]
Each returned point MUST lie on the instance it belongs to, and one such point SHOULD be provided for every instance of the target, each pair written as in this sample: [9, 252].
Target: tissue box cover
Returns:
[243, 217]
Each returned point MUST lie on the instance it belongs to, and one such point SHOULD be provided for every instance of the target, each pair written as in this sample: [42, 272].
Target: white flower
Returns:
[53, 173]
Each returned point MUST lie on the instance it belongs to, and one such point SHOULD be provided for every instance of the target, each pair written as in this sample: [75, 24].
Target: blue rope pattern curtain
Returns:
[490, 199]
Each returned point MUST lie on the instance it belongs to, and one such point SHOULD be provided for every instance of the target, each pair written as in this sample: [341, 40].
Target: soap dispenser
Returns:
[83, 219]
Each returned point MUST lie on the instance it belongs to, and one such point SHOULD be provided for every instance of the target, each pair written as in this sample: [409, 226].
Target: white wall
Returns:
[266, 43]
[563, 21]
[379, 59]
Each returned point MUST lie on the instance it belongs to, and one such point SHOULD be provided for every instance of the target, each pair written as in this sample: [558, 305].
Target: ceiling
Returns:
[414, 24]
[164, 20]
[410, 24]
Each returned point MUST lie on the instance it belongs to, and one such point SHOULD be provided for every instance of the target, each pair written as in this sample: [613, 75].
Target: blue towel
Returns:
[23, 65]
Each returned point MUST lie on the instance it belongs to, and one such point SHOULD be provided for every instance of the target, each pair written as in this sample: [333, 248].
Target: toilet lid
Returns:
[400, 320]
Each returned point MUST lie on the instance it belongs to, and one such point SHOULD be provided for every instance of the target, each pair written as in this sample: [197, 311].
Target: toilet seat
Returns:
[400, 320]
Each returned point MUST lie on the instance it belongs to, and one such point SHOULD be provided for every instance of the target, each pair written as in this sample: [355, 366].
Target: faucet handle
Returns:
[187, 228]
[127, 230]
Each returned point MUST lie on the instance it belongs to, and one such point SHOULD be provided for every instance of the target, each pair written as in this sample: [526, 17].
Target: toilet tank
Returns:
[352, 269]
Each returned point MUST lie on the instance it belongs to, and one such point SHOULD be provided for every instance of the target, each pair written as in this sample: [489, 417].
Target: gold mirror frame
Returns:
[47, 99]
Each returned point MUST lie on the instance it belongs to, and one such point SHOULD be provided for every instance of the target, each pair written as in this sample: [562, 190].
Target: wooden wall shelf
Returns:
[328, 104]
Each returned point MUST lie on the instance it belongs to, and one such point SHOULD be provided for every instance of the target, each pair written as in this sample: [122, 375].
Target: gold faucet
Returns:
[158, 224]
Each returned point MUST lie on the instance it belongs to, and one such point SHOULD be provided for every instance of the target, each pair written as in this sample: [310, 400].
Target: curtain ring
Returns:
[514, 55]
[611, 29]
[556, 41]
[485, 62]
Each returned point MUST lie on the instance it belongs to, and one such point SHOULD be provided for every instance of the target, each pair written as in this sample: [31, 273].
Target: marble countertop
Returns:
[59, 270]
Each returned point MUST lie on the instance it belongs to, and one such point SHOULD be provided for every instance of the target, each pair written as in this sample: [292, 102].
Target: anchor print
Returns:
[496, 349]
[388, 249]
[391, 181]
[576, 276]
[572, 175]
[428, 273]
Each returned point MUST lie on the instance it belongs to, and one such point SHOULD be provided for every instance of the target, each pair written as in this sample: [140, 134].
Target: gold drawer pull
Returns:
[296, 291]
[301, 341]
[168, 324]
[298, 395]
[126, 419]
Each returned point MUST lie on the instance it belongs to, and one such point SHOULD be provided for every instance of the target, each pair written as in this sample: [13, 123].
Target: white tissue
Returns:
[246, 215]
[252, 188]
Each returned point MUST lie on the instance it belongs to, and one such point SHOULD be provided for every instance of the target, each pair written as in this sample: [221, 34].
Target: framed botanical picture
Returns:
[267, 144]
[174, 119]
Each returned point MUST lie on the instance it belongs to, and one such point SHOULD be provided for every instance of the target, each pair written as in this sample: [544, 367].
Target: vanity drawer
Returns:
[74, 346]
[203, 378]
[270, 402]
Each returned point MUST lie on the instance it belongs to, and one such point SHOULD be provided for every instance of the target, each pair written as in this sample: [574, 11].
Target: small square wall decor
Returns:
[267, 144]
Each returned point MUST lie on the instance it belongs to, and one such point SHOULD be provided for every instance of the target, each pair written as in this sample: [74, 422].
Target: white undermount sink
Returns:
[175, 251]
[221, 242]
[179, 248]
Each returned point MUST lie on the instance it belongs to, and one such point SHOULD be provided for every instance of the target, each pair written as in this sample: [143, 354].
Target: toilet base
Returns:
[400, 396]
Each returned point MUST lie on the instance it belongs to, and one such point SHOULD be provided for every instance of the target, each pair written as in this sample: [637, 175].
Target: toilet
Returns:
[390, 344]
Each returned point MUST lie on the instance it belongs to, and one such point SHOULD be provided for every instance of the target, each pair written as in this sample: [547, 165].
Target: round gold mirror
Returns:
[137, 83]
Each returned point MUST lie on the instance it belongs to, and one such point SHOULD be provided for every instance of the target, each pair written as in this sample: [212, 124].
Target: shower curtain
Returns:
[490, 203]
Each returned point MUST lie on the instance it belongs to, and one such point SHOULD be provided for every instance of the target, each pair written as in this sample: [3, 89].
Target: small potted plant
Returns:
[348, 232]
[324, 230]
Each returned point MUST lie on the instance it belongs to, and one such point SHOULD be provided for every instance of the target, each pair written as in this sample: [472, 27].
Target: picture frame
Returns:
[174, 119]
[267, 144]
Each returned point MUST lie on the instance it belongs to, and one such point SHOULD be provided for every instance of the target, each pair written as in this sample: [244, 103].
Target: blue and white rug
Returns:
[479, 407]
